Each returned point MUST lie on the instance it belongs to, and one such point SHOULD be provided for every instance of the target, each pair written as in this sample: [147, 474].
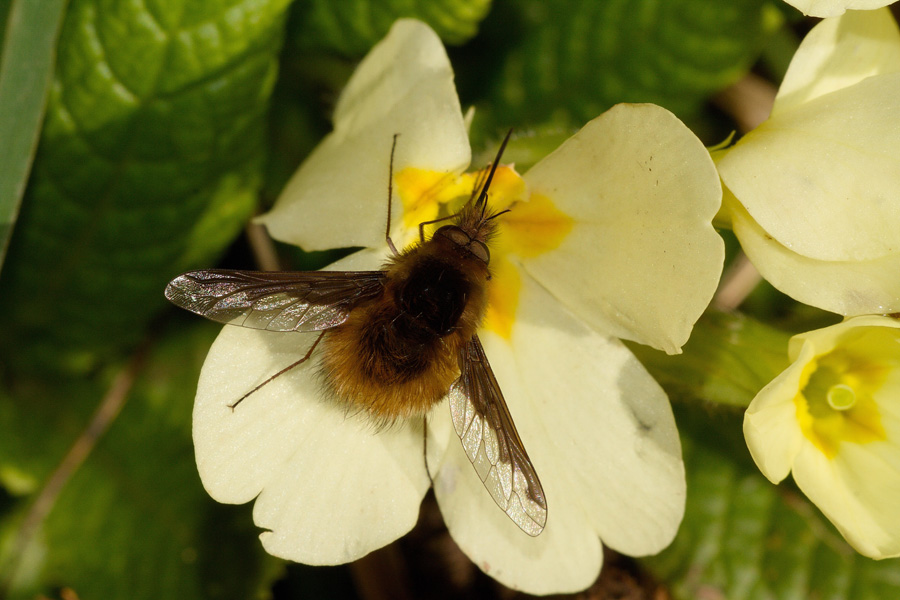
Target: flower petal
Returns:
[565, 557]
[824, 179]
[857, 482]
[833, 8]
[841, 334]
[844, 287]
[642, 191]
[770, 422]
[857, 491]
[347, 490]
[331, 487]
[838, 53]
[602, 438]
[338, 197]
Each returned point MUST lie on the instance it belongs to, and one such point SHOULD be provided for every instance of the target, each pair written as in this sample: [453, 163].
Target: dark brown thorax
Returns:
[406, 342]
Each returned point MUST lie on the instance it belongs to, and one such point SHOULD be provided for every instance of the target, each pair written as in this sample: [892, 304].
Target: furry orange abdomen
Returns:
[397, 355]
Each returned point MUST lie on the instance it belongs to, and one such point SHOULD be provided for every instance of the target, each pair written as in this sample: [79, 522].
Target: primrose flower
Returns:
[832, 419]
[814, 192]
[609, 236]
[835, 8]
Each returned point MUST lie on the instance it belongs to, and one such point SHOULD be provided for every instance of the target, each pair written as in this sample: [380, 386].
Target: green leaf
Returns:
[156, 121]
[743, 538]
[352, 27]
[568, 61]
[525, 148]
[133, 520]
[729, 358]
[26, 65]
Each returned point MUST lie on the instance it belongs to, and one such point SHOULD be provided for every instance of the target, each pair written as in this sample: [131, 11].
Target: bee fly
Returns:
[395, 342]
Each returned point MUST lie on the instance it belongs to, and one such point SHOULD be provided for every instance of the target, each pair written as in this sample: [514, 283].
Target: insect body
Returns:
[397, 341]
[398, 355]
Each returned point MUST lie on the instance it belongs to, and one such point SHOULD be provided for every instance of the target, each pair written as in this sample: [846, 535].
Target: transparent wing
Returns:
[491, 442]
[275, 300]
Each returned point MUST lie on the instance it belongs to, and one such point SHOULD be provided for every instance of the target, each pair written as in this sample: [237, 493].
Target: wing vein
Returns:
[487, 432]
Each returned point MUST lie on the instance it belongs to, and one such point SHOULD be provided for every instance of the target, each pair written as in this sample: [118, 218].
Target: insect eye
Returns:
[480, 250]
[455, 235]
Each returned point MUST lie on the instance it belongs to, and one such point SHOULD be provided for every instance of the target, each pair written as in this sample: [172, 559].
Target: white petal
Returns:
[331, 487]
[824, 179]
[642, 260]
[346, 491]
[367, 259]
[770, 422]
[565, 557]
[838, 53]
[833, 8]
[857, 491]
[602, 438]
[338, 197]
[844, 287]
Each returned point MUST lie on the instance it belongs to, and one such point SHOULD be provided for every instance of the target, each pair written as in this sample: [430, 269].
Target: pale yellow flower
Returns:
[814, 192]
[609, 236]
[832, 419]
[835, 8]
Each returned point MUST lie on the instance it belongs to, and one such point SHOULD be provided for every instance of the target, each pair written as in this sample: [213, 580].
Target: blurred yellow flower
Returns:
[814, 192]
[832, 419]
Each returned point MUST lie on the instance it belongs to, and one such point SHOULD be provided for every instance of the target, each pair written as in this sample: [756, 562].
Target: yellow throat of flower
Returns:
[533, 226]
[837, 401]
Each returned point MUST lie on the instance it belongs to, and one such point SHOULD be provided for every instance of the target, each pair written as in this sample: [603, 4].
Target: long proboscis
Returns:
[478, 199]
[482, 195]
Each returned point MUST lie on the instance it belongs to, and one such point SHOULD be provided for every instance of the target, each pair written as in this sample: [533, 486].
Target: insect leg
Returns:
[281, 372]
[424, 223]
[387, 233]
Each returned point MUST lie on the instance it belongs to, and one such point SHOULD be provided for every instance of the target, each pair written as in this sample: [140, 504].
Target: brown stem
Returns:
[106, 412]
[263, 247]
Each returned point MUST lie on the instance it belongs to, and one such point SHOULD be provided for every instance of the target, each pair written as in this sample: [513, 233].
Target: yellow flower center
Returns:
[841, 396]
[532, 226]
[838, 399]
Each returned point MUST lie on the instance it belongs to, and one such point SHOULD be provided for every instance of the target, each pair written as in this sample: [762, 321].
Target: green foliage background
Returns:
[168, 123]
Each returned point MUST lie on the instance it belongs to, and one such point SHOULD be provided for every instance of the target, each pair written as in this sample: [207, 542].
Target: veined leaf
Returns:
[743, 538]
[132, 520]
[352, 27]
[728, 359]
[571, 60]
[155, 122]
[26, 67]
